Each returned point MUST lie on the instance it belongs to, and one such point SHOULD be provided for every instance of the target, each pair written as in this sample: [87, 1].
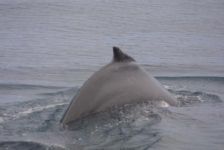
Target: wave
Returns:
[209, 78]
[36, 109]
[61, 97]
[11, 86]
[187, 98]
[27, 145]
[128, 127]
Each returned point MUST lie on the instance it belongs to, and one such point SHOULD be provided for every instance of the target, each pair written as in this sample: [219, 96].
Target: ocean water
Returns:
[49, 48]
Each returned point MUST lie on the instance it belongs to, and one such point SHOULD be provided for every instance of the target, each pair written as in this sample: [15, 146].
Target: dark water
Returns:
[49, 48]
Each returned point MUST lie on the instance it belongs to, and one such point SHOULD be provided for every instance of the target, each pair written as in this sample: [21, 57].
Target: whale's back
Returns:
[117, 83]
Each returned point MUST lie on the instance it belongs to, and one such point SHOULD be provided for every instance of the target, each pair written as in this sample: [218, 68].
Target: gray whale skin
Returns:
[120, 82]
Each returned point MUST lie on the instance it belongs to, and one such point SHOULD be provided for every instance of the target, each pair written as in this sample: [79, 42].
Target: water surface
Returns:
[50, 47]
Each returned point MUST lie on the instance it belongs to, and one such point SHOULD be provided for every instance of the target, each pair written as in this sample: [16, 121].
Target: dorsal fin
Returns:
[119, 56]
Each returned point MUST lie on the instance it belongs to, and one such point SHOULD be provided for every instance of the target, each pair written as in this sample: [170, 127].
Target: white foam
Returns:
[36, 109]
[164, 104]
[200, 98]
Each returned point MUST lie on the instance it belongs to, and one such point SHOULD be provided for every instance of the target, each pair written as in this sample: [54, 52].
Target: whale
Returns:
[120, 82]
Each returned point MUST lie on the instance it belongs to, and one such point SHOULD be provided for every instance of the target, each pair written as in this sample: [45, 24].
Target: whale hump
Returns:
[120, 56]
[120, 82]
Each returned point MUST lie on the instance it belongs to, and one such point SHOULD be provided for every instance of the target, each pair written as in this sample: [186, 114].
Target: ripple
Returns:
[27, 145]
[187, 98]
